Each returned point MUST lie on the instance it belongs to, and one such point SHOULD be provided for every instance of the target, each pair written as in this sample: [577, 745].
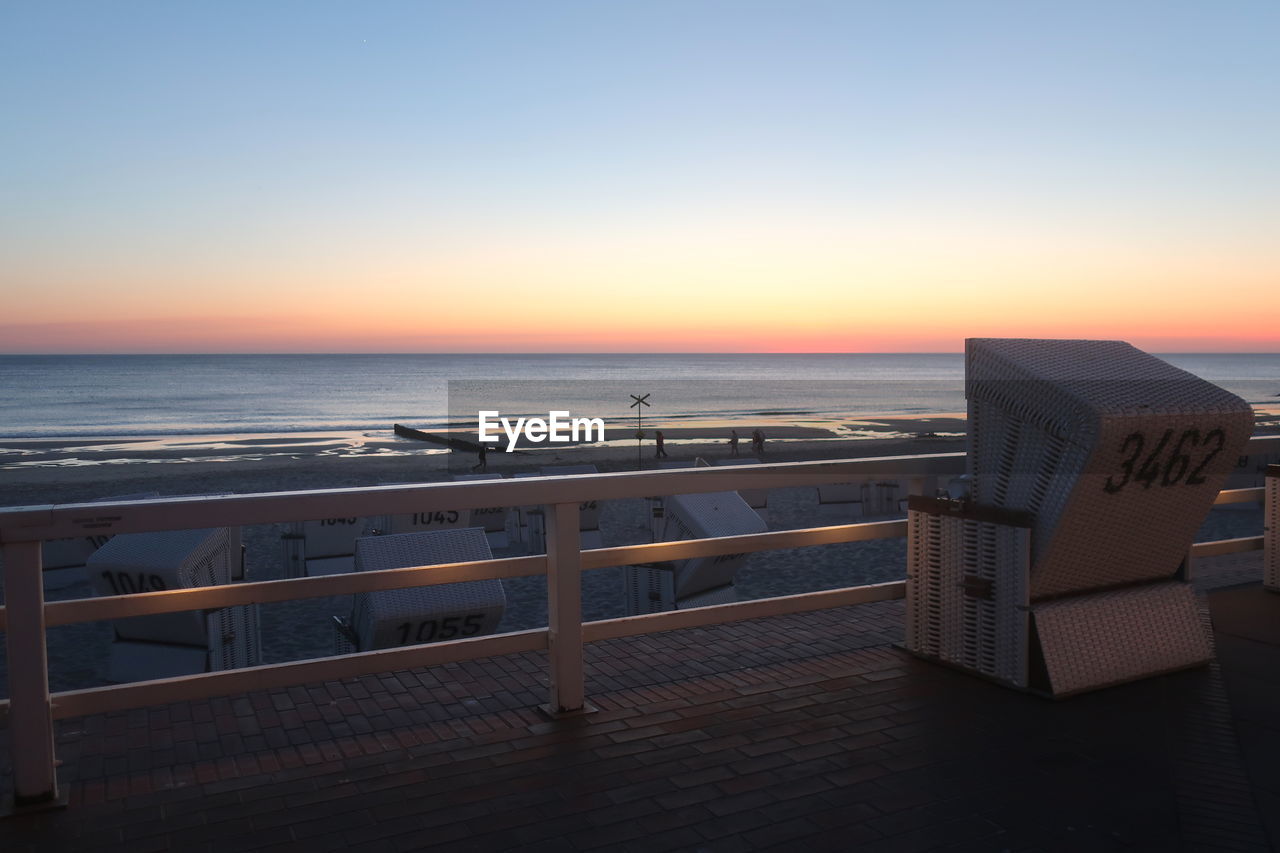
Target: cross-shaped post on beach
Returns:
[638, 405]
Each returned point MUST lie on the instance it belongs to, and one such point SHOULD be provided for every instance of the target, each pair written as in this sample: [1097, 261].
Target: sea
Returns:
[151, 396]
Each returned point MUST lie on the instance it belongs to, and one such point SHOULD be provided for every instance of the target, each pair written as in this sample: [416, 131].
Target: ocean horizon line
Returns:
[565, 353]
[235, 393]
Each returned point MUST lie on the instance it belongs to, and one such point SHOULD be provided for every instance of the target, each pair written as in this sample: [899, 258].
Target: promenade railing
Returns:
[31, 709]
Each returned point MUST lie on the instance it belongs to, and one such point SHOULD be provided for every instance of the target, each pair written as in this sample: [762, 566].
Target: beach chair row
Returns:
[327, 546]
[205, 641]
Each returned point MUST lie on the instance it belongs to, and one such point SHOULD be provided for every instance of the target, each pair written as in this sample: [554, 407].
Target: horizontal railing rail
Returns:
[160, 691]
[263, 592]
[26, 616]
[69, 520]
[120, 697]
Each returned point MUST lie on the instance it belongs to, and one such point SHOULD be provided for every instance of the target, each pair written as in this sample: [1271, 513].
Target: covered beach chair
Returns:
[757, 499]
[397, 617]
[492, 519]
[322, 546]
[1092, 465]
[868, 499]
[698, 581]
[588, 512]
[183, 643]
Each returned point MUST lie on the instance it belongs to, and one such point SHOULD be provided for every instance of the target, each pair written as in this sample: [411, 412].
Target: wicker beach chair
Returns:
[1108, 459]
[588, 512]
[492, 519]
[757, 499]
[656, 505]
[390, 618]
[861, 500]
[698, 581]
[421, 522]
[322, 546]
[181, 643]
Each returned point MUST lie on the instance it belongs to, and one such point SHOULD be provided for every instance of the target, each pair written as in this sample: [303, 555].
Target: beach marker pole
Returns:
[35, 782]
[564, 612]
[639, 401]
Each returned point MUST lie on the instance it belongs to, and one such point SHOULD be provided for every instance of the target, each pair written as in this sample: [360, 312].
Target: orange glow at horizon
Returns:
[841, 331]
[815, 284]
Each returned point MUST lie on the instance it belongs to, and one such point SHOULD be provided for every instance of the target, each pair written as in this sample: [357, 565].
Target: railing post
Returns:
[35, 783]
[564, 611]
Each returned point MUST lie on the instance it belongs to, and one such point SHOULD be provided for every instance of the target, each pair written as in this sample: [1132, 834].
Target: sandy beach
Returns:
[67, 471]
[44, 471]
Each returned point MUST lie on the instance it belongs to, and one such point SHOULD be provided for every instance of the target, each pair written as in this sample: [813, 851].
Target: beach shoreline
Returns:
[51, 471]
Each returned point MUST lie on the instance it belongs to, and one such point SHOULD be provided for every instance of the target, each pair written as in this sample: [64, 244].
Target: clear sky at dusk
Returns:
[655, 176]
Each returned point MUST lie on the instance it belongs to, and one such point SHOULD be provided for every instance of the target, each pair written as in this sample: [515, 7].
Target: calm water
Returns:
[149, 395]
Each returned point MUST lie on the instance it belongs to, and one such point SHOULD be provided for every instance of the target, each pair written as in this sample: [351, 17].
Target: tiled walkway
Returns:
[809, 730]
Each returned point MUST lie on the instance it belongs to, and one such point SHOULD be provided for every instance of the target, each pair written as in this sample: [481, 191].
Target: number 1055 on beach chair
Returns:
[1092, 465]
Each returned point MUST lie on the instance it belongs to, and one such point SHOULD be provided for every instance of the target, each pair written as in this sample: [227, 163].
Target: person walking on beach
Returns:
[658, 439]
[483, 464]
[757, 441]
[733, 442]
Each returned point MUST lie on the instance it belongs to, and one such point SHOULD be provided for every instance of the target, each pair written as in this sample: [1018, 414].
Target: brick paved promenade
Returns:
[810, 730]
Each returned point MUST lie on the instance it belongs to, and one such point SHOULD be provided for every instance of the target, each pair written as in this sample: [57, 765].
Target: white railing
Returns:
[32, 709]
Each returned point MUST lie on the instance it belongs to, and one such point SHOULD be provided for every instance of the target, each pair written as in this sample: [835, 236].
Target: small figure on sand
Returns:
[757, 441]
[733, 442]
[657, 440]
[483, 464]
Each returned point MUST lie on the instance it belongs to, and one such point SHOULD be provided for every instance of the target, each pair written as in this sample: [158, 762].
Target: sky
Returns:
[656, 176]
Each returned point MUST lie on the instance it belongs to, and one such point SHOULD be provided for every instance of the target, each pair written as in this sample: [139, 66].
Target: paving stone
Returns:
[836, 741]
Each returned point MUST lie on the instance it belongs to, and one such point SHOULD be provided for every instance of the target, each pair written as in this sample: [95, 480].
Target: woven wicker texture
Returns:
[1091, 641]
[235, 638]
[967, 594]
[648, 589]
[708, 516]
[400, 617]
[172, 559]
[1271, 534]
[1117, 454]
